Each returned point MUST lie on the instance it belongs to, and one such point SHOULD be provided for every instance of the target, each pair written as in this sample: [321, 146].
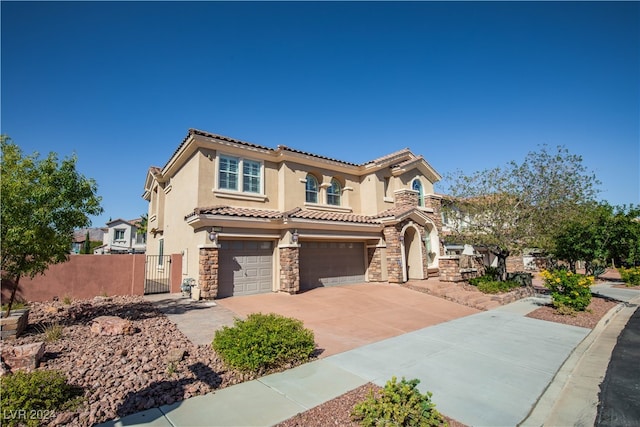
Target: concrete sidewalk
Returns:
[489, 368]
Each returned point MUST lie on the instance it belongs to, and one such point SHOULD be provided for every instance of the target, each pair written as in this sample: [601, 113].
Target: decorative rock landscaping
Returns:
[121, 373]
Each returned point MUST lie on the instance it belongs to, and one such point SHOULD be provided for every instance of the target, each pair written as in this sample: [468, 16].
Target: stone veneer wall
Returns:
[406, 197]
[374, 256]
[450, 270]
[394, 255]
[208, 273]
[515, 263]
[290, 270]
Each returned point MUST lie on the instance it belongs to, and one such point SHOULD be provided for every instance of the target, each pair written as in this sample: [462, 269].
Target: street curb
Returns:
[543, 407]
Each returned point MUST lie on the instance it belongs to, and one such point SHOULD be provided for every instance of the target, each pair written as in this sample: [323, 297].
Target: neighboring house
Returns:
[250, 219]
[79, 237]
[122, 237]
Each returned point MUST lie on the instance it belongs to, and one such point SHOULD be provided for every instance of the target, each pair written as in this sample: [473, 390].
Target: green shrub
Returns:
[631, 276]
[33, 397]
[17, 305]
[568, 289]
[489, 285]
[264, 341]
[399, 404]
[52, 332]
[492, 272]
[496, 287]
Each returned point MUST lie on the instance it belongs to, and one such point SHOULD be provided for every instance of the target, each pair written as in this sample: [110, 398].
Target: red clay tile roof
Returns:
[394, 212]
[232, 211]
[402, 152]
[284, 147]
[294, 213]
[334, 216]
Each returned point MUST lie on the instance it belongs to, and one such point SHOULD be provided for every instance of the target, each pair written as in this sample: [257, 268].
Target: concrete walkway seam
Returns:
[542, 409]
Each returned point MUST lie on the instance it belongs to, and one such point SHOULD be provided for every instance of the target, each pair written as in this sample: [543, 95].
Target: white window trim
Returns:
[239, 193]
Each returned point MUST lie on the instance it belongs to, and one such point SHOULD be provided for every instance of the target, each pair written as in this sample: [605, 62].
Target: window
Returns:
[118, 234]
[251, 176]
[333, 193]
[417, 186]
[228, 173]
[311, 189]
[230, 178]
[160, 252]
[387, 185]
[141, 238]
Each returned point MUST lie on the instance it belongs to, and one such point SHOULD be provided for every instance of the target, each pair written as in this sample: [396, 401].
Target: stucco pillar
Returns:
[394, 254]
[208, 272]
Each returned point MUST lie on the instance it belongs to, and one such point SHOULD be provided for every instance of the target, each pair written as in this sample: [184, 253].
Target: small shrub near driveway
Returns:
[631, 276]
[568, 290]
[489, 285]
[34, 397]
[399, 404]
[263, 342]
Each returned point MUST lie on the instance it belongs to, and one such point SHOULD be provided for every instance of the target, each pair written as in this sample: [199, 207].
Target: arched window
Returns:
[417, 186]
[311, 189]
[333, 193]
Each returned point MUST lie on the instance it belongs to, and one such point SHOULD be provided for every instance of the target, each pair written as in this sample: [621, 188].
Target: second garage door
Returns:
[245, 267]
[330, 264]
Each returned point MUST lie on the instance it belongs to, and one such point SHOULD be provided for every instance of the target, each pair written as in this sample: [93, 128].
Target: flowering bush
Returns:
[568, 289]
[631, 276]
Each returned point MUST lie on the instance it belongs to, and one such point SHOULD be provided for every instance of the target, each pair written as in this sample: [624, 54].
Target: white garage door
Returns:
[245, 267]
[331, 263]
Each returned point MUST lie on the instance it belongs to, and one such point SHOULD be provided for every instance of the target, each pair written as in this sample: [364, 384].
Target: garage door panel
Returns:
[246, 267]
[331, 264]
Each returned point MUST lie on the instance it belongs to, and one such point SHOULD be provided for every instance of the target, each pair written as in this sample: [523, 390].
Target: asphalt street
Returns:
[620, 391]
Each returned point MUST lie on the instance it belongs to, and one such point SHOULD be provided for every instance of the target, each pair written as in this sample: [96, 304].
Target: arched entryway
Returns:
[431, 245]
[412, 253]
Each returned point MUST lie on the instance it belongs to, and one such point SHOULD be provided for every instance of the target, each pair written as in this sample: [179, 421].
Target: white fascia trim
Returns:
[328, 208]
[198, 221]
[236, 195]
[315, 224]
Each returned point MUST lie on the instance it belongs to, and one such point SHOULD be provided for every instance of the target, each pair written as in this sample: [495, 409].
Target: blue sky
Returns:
[469, 85]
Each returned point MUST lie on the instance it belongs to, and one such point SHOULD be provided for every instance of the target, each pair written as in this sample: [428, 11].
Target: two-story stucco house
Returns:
[251, 219]
[122, 237]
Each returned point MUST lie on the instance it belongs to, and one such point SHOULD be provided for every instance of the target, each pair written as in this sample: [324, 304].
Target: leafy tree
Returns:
[518, 206]
[599, 233]
[43, 201]
[142, 224]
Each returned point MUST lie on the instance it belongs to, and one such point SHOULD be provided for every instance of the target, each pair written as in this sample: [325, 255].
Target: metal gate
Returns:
[157, 274]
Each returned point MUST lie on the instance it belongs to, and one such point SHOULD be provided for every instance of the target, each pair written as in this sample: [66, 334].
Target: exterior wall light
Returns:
[401, 239]
[294, 237]
[213, 234]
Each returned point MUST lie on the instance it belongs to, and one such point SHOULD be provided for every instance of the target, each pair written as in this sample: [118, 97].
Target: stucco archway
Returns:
[412, 253]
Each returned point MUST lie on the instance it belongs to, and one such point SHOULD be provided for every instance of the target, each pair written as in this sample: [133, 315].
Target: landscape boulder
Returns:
[112, 325]
[22, 357]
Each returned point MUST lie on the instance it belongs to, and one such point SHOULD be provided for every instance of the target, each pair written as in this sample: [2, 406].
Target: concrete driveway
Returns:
[347, 317]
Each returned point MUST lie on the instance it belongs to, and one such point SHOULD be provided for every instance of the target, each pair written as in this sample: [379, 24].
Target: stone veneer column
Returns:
[394, 254]
[208, 272]
[374, 255]
[406, 197]
[290, 269]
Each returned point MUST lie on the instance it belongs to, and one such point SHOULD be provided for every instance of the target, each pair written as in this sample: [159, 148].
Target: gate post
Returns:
[208, 272]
